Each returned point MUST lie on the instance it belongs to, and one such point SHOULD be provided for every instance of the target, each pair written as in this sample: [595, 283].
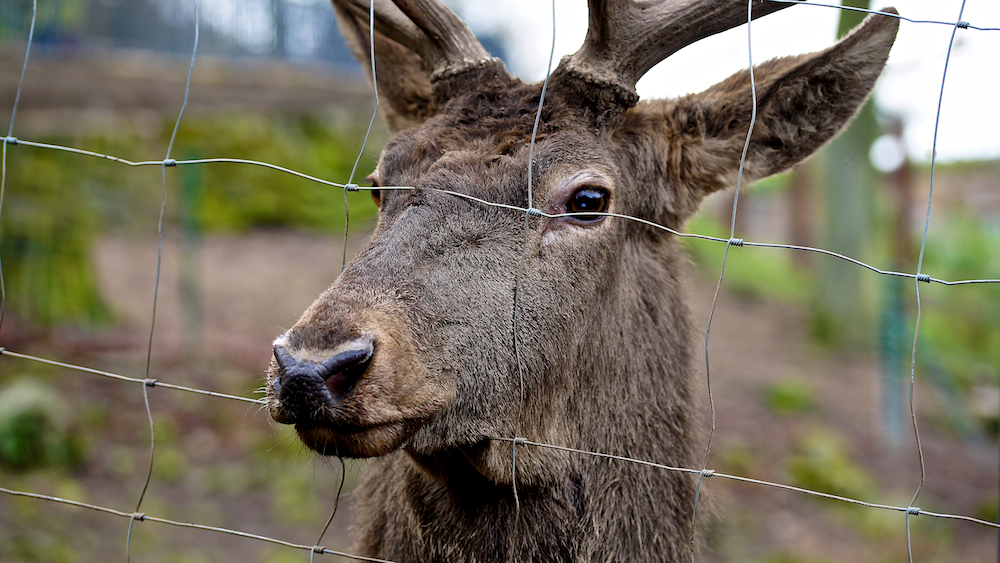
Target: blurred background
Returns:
[810, 355]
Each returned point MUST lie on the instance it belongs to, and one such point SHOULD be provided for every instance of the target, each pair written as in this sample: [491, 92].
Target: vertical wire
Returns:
[916, 284]
[364, 144]
[520, 265]
[722, 273]
[336, 503]
[10, 135]
[24, 68]
[156, 288]
[538, 114]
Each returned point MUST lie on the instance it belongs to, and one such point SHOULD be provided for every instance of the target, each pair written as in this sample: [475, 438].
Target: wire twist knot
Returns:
[318, 549]
[351, 187]
[913, 510]
[532, 212]
[520, 442]
[10, 140]
[923, 278]
[150, 382]
[962, 25]
[140, 516]
[170, 162]
[708, 473]
[738, 242]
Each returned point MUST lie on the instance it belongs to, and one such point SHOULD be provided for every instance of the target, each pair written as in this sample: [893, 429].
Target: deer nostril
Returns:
[302, 381]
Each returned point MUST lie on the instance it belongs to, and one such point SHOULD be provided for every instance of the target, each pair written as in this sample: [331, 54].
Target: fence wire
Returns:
[516, 441]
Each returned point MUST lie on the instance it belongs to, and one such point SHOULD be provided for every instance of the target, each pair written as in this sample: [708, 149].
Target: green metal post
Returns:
[842, 316]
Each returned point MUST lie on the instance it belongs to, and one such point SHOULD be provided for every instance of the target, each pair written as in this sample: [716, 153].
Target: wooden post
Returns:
[800, 206]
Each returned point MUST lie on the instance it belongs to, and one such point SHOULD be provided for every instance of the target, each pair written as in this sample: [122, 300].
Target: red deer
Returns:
[422, 354]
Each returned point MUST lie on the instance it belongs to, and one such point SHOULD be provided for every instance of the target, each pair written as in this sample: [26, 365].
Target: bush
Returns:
[35, 428]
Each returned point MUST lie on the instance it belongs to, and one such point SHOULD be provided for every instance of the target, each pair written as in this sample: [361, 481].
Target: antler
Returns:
[427, 28]
[627, 38]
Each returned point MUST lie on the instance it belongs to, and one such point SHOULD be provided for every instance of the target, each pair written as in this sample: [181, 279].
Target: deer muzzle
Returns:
[306, 386]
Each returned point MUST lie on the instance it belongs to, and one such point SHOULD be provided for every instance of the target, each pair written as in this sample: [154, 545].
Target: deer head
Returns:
[415, 349]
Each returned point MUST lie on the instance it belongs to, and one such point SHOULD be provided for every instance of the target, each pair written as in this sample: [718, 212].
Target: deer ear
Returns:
[802, 102]
[402, 77]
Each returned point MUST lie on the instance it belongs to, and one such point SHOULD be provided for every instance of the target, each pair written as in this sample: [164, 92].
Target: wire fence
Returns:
[10, 142]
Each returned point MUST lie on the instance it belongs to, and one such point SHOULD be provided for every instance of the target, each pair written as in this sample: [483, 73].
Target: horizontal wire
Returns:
[733, 242]
[355, 187]
[144, 517]
[149, 382]
[170, 161]
[960, 24]
[5, 352]
[266, 165]
[713, 474]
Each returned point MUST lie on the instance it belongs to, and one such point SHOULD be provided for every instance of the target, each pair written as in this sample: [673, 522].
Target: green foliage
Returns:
[751, 272]
[170, 464]
[35, 429]
[739, 459]
[790, 396]
[989, 510]
[295, 500]
[56, 203]
[823, 464]
[49, 222]
[41, 547]
[959, 335]
[239, 196]
[61, 17]
[960, 322]
[232, 479]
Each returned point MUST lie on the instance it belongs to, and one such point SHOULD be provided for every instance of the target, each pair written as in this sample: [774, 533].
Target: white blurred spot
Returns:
[887, 154]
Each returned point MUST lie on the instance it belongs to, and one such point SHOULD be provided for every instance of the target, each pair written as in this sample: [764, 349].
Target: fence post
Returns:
[847, 179]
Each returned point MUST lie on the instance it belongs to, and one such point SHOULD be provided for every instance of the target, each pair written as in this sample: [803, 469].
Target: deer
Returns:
[505, 294]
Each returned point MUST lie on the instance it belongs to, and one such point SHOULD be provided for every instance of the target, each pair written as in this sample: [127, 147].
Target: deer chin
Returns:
[373, 441]
[350, 430]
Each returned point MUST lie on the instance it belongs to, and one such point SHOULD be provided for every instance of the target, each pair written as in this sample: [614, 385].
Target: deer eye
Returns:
[588, 199]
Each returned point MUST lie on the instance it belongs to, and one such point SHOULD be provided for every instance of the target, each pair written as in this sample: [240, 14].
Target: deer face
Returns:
[462, 321]
[419, 327]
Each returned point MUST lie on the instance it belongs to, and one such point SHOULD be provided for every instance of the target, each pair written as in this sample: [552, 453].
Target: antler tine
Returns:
[627, 38]
[427, 28]
[458, 47]
[389, 21]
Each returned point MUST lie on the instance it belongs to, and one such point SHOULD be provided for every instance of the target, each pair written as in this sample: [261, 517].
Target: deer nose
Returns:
[305, 384]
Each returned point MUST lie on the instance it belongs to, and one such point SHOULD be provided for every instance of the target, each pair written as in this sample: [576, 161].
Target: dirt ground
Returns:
[222, 463]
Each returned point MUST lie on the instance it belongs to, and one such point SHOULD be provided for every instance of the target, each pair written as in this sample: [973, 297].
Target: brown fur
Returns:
[601, 360]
